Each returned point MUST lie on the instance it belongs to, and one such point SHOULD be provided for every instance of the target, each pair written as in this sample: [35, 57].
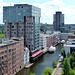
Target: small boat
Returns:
[52, 49]
[59, 55]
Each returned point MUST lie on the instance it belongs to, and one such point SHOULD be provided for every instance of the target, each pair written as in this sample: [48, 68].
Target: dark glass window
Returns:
[14, 32]
[2, 57]
[9, 50]
[73, 43]
[12, 26]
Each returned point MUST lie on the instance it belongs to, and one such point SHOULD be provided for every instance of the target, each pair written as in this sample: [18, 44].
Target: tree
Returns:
[47, 71]
[73, 65]
[63, 52]
[32, 74]
[54, 63]
[2, 31]
[68, 54]
[72, 60]
[72, 72]
[66, 67]
[62, 49]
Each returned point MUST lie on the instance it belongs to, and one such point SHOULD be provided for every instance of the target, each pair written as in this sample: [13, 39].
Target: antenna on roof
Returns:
[11, 3]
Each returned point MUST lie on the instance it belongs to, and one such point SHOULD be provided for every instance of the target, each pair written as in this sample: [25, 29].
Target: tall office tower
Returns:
[58, 21]
[23, 20]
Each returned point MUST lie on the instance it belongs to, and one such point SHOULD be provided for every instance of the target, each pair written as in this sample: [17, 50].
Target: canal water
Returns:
[43, 62]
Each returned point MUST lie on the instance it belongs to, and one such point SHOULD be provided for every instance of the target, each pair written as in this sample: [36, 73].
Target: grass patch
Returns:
[2, 36]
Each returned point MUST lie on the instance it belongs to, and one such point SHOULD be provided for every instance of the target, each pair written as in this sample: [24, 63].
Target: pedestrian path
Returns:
[29, 65]
[58, 70]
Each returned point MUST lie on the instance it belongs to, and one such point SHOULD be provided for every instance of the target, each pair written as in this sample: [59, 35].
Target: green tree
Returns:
[72, 72]
[32, 74]
[68, 54]
[54, 63]
[63, 52]
[73, 65]
[2, 30]
[62, 49]
[47, 71]
[66, 67]
[72, 60]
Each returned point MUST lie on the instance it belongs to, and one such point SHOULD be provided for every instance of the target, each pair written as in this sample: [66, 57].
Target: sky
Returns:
[48, 8]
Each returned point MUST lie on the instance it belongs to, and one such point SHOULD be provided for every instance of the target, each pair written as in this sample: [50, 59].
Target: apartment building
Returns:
[11, 56]
[23, 20]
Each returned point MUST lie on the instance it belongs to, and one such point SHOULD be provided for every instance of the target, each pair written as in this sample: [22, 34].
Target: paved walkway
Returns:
[58, 70]
[29, 65]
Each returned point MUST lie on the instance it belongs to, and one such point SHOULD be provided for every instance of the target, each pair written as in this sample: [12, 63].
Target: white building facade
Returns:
[26, 56]
[43, 42]
[69, 46]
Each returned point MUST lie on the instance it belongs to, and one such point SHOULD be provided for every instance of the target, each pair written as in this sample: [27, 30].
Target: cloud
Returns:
[50, 7]
[55, 3]
[47, 10]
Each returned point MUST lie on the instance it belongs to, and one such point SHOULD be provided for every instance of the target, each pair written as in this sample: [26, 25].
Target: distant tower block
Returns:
[58, 21]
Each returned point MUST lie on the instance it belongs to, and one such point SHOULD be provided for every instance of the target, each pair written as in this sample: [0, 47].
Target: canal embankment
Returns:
[58, 70]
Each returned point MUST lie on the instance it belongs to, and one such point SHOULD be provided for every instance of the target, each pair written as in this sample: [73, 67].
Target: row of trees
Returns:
[2, 31]
[69, 65]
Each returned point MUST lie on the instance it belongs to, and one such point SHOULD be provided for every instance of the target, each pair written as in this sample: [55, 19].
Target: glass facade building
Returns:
[23, 20]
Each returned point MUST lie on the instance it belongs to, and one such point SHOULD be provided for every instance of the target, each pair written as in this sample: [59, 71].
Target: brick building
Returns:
[51, 40]
[11, 56]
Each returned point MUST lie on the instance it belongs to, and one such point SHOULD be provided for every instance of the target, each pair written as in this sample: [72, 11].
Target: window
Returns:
[7, 29]
[2, 63]
[5, 51]
[12, 26]
[9, 50]
[2, 57]
[7, 26]
[14, 32]
[73, 43]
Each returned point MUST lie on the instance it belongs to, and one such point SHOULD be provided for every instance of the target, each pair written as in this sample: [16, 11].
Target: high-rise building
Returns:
[58, 21]
[23, 20]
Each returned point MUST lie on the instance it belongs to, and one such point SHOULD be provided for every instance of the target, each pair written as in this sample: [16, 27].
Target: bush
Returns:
[72, 72]
[66, 67]
[32, 74]
[54, 63]
[47, 71]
